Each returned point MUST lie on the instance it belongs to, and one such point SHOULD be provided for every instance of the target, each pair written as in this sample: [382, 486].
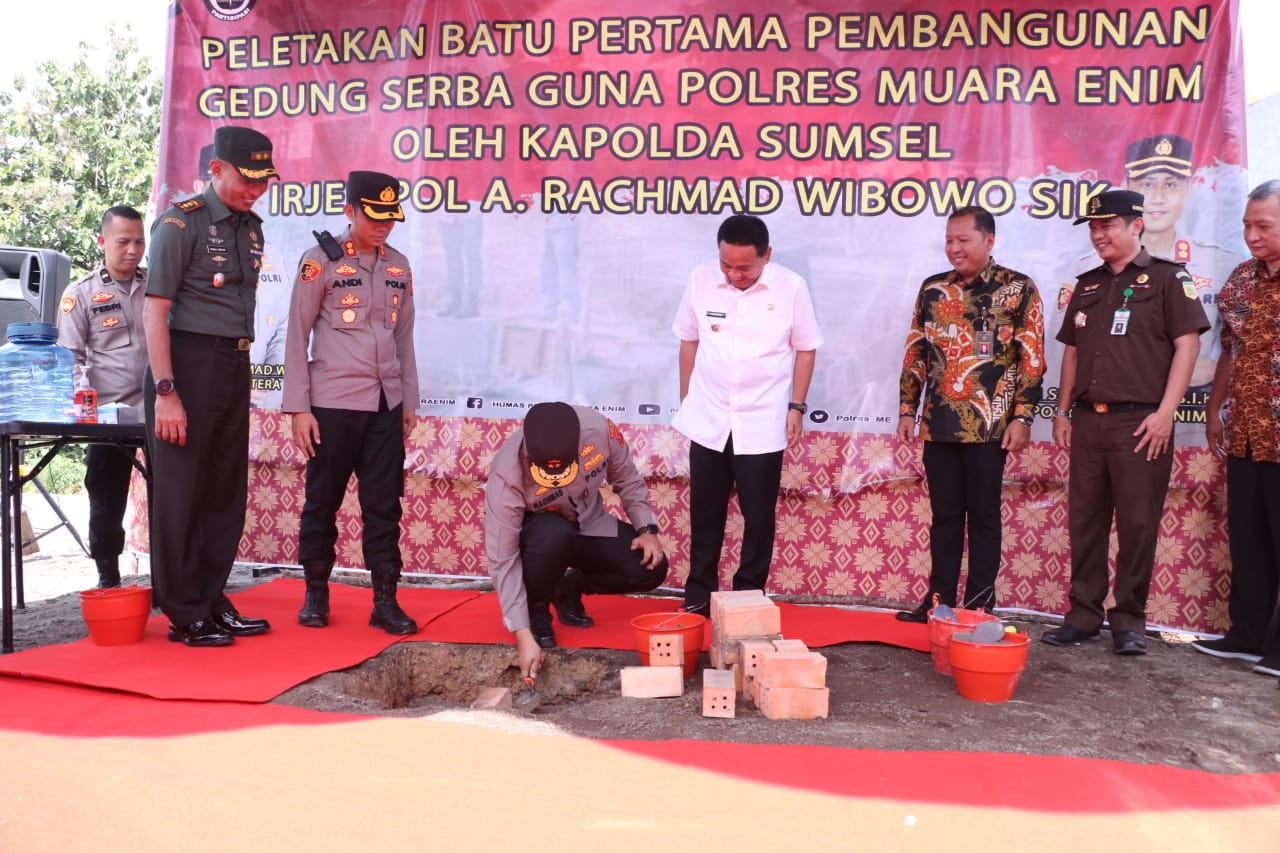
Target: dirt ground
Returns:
[1175, 706]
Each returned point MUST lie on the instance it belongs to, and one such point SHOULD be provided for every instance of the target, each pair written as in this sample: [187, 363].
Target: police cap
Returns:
[375, 193]
[1113, 203]
[1166, 153]
[247, 150]
[551, 442]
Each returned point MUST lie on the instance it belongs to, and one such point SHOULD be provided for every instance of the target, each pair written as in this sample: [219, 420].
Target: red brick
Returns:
[760, 618]
[790, 645]
[666, 650]
[492, 697]
[750, 654]
[793, 703]
[792, 669]
[718, 599]
[652, 682]
[719, 696]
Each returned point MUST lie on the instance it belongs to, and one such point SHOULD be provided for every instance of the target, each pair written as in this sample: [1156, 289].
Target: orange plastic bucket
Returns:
[690, 626]
[989, 672]
[116, 616]
[941, 630]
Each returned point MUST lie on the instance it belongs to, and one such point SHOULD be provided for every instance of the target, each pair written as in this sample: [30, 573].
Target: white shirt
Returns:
[747, 341]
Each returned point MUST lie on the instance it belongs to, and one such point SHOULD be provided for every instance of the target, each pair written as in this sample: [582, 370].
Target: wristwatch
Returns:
[798, 407]
[1027, 420]
[164, 387]
[647, 528]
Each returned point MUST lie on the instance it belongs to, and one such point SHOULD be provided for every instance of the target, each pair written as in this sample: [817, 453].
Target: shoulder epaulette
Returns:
[187, 205]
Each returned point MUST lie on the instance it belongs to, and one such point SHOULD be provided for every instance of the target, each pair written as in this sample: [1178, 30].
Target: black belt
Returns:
[215, 341]
[1121, 408]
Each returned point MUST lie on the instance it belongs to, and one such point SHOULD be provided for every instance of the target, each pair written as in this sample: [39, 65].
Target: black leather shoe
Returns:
[1070, 635]
[920, 615]
[569, 601]
[540, 625]
[700, 609]
[200, 634]
[241, 626]
[1128, 643]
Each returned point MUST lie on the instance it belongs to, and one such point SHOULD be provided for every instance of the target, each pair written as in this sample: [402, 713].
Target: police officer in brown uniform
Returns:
[205, 254]
[353, 401]
[544, 513]
[1132, 335]
[100, 322]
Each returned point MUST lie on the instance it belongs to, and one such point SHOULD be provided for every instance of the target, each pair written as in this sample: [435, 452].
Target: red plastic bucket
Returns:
[116, 616]
[690, 626]
[988, 672]
[941, 630]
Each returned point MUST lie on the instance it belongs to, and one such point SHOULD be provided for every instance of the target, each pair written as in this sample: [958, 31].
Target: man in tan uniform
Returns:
[353, 400]
[100, 322]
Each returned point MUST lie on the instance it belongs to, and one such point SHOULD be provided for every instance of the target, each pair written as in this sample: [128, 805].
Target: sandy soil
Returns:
[1175, 706]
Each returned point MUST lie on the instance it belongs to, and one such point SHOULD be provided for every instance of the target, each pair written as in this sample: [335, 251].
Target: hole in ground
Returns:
[411, 674]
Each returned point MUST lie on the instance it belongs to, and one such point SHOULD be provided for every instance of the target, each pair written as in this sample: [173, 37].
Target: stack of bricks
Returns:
[664, 676]
[784, 679]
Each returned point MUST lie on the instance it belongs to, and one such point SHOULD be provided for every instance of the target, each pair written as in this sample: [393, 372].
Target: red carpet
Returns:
[253, 669]
[480, 621]
[1028, 782]
[1051, 783]
[257, 669]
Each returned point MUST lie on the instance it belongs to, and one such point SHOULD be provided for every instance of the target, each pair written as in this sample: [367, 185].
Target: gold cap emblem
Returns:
[1164, 147]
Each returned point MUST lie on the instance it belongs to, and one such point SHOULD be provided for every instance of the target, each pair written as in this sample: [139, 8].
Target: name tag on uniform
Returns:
[1120, 321]
[720, 315]
[984, 343]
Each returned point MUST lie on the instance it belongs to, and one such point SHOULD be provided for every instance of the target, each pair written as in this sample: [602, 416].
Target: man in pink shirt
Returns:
[748, 338]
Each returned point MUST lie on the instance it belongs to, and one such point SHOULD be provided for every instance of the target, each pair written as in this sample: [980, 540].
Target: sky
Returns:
[86, 20]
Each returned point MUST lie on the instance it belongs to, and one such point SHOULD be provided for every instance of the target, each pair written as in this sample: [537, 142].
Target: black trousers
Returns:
[107, 472]
[1253, 533]
[550, 544]
[371, 446]
[1108, 479]
[199, 491]
[712, 476]
[965, 483]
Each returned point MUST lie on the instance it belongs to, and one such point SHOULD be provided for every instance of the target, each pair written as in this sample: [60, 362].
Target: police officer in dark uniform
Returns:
[1132, 335]
[353, 399]
[205, 254]
[100, 322]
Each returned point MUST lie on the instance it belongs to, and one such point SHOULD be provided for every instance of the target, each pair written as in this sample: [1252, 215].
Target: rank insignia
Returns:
[101, 296]
[350, 299]
[110, 322]
[349, 315]
[395, 272]
[345, 269]
[68, 302]
[189, 204]
[310, 272]
[349, 248]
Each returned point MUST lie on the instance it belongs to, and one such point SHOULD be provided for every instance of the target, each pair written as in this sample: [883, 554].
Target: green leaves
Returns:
[79, 135]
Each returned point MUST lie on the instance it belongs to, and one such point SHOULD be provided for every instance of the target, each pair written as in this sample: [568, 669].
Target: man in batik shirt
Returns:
[975, 355]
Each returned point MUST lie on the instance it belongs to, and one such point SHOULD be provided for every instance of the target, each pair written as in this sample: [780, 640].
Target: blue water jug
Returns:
[35, 375]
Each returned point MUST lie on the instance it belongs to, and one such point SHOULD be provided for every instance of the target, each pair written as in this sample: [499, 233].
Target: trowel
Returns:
[528, 699]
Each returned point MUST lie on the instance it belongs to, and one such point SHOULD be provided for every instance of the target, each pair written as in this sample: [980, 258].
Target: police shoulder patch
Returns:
[309, 271]
[68, 302]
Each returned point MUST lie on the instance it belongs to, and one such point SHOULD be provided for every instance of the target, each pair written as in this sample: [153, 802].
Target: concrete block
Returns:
[792, 669]
[666, 650]
[652, 682]
[719, 696]
[493, 698]
[793, 703]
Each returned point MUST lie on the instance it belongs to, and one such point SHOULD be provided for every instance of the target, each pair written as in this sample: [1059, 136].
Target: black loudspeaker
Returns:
[31, 283]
